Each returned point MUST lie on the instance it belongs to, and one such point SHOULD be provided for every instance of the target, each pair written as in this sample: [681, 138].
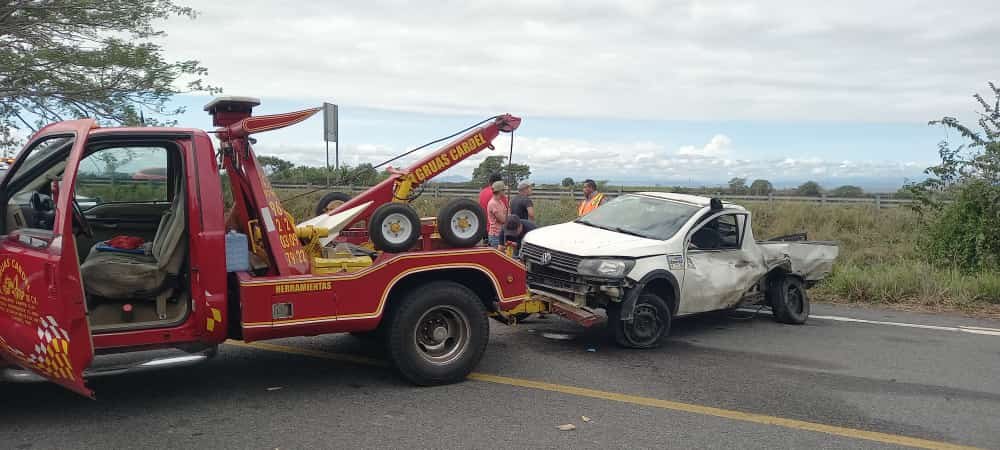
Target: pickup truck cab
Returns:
[649, 257]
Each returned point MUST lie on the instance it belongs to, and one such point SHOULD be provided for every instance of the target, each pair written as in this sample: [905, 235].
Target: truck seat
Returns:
[123, 276]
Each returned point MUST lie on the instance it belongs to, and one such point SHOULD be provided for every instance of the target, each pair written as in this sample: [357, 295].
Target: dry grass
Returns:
[880, 258]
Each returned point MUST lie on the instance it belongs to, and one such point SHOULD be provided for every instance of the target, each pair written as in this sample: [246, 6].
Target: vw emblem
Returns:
[546, 258]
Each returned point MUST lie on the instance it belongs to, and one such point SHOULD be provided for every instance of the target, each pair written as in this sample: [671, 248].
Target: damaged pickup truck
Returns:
[649, 257]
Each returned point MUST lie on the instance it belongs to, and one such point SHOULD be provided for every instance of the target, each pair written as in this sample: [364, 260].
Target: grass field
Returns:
[880, 258]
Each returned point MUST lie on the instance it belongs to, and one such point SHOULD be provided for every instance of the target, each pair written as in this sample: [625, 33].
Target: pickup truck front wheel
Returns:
[788, 300]
[438, 334]
[649, 325]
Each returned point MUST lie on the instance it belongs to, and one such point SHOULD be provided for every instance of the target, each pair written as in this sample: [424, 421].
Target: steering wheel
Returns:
[81, 220]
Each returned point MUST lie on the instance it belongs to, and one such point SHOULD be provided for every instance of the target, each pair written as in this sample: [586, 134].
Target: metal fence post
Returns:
[822, 198]
[770, 199]
[878, 203]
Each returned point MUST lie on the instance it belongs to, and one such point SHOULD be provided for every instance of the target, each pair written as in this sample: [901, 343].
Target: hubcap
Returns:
[646, 325]
[464, 224]
[442, 334]
[794, 297]
[396, 228]
[333, 205]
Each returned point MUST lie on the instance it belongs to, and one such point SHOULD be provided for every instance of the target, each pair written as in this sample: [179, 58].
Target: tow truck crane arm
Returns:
[401, 183]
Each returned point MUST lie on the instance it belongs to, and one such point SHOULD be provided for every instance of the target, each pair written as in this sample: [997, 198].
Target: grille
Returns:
[560, 261]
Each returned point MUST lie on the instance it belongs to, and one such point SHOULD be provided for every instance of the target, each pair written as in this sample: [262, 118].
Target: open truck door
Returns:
[43, 313]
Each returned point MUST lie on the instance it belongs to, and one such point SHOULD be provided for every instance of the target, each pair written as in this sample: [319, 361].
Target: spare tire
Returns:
[462, 223]
[331, 201]
[394, 227]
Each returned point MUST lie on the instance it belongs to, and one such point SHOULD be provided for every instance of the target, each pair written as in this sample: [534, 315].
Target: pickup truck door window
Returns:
[718, 269]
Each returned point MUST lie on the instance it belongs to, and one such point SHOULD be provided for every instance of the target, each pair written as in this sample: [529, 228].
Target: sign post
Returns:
[331, 133]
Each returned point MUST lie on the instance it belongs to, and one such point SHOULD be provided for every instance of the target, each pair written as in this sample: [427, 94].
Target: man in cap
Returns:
[515, 228]
[521, 205]
[487, 193]
[496, 214]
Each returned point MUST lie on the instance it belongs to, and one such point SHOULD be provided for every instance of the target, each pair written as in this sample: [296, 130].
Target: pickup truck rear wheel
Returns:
[788, 300]
[649, 325]
[438, 333]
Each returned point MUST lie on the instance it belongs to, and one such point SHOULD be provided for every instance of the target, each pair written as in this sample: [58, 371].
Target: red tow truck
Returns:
[204, 276]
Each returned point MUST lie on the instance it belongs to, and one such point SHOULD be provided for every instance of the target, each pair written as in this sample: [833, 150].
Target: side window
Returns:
[29, 200]
[122, 175]
[721, 233]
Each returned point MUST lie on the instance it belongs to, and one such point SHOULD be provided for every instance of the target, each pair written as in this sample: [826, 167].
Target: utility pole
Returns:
[331, 132]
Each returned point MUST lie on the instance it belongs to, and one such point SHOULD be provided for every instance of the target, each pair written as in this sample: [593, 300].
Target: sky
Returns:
[637, 92]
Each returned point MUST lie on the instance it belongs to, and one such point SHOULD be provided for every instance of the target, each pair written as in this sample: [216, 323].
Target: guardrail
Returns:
[875, 200]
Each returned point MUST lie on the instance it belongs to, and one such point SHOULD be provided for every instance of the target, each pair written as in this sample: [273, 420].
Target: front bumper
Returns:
[581, 290]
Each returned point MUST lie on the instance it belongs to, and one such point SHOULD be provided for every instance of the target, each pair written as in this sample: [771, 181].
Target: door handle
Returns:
[105, 225]
[739, 264]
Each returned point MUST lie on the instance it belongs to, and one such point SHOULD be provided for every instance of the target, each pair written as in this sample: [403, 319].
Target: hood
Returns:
[582, 240]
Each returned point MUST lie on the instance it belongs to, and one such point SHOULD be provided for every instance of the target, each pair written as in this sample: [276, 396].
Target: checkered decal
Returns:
[51, 355]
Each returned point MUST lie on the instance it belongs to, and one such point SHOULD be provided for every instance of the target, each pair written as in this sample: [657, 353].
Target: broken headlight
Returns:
[606, 268]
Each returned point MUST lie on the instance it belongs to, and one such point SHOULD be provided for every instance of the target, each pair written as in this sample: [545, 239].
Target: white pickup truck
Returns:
[649, 257]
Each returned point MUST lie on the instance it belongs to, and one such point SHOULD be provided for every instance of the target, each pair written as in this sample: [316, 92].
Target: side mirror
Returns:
[715, 204]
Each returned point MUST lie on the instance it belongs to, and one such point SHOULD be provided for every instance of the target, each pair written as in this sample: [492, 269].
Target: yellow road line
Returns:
[852, 433]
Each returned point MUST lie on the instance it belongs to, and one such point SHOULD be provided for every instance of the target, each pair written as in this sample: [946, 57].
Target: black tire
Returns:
[468, 217]
[331, 201]
[398, 240]
[787, 296]
[650, 322]
[440, 313]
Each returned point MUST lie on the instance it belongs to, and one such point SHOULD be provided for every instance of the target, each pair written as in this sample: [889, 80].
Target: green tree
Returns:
[495, 164]
[761, 187]
[568, 182]
[738, 185]
[848, 191]
[274, 164]
[62, 59]
[965, 231]
[809, 189]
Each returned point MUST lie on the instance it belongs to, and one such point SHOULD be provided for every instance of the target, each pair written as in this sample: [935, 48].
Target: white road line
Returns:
[959, 329]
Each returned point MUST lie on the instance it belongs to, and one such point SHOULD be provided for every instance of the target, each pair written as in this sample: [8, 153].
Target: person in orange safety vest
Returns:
[591, 198]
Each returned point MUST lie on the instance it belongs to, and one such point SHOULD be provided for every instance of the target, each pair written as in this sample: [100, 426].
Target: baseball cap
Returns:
[524, 184]
[513, 223]
[499, 186]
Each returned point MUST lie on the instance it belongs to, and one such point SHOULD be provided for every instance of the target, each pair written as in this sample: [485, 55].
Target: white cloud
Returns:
[849, 60]
[718, 146]
[644, 162]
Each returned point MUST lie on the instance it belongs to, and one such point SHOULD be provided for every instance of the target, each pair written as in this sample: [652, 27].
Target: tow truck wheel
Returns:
[462, 223]
[394, 227]
[331, 201]
[788, 300]
[649, 325]
[438, 333]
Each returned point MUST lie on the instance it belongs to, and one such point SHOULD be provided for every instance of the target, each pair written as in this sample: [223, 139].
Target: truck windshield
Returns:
[639, 215]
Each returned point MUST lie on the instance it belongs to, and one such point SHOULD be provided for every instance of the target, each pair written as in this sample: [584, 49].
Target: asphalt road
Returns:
[719, 382]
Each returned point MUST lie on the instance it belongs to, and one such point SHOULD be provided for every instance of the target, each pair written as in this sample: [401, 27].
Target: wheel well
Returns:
[665, 290]
[473, 279]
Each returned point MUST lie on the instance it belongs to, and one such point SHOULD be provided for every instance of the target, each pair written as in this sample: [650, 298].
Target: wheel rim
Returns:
[332, 205]
[794, 299]
[396, 228]
[646, 325]
[442, 334]
[464, 224]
